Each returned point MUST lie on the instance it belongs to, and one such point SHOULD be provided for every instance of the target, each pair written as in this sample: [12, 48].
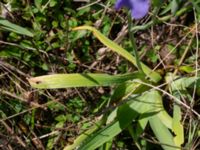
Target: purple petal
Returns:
[139, 8]
[121, 3]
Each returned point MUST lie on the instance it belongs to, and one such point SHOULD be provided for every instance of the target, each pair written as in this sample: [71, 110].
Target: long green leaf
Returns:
[154, 76]
[162, 115]
[83, 136]
[124, 115]
[127, 89]
[162, 133]
[79, 80]
[178, 89]
[5, 24]
[177, 127]
[111, 130]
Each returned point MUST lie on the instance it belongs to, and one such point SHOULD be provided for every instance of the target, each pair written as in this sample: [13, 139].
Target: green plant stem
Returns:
[159, 20]
[131, 36]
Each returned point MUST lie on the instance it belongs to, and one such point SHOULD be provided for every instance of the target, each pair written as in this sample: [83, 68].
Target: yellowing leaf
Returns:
[79, 80]
[154, 76]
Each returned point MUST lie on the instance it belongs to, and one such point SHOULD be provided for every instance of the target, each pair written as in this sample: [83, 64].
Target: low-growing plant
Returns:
[138, 95]
[138, 98]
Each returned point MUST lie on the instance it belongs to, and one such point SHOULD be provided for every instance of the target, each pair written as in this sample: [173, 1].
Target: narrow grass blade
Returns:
[132, 39]
[154, 76]
[79, 80]
[5, 24]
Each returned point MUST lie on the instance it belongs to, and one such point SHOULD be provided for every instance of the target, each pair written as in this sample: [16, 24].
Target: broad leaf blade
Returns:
[110, 131]
[174, 6]
[124, 115]
[162, 133]
[83, 136]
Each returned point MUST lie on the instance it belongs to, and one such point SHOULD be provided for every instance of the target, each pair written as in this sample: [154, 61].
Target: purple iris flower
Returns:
[139, 8]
